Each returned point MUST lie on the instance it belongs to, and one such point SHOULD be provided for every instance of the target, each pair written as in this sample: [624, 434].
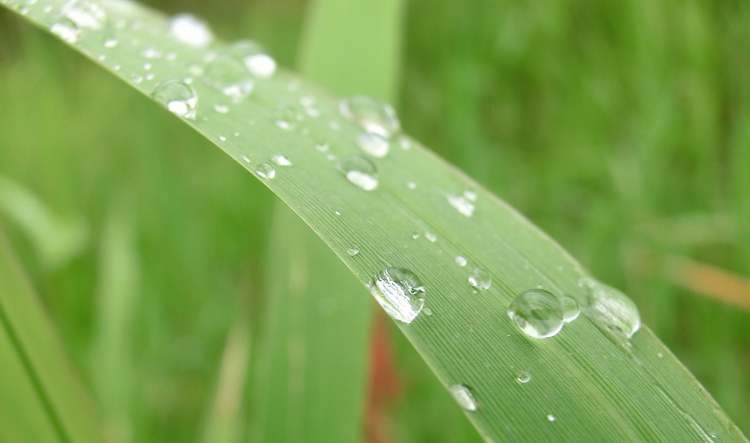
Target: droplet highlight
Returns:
[399, 292]
[537, 313]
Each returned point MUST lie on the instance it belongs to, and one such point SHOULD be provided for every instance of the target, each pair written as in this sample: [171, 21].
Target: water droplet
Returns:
[190, 30]
[286, 118]
[371, 115]
[178, 97]
[266, 171]
[352, 251]
[411, 185]
[537, 313]
[461, 204]
[221, 109]
[67, 30]
[470, 195]
[228, 75]
[461, 261]
[281, 160]
[152, 53]
[85, 14]
[480, 279]
[427, 311]
[360, 171]
[255, 58]
[523, 377]
[373, 144]
[464, 397]
[570, 308]
[399, 292]
[611, 309]
[111, 43]
[405, 142]
[551, 418]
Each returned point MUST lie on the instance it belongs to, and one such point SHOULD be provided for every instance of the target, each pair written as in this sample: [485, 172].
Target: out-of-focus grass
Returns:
[597, 119]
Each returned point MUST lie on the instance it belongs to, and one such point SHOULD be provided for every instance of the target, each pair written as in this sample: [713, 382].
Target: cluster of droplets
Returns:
[378, 125]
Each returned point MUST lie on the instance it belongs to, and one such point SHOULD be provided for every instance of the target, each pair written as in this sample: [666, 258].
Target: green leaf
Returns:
[595, 385]
[43, 400]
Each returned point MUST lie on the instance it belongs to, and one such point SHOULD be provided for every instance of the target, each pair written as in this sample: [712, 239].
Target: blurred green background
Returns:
[622, 128]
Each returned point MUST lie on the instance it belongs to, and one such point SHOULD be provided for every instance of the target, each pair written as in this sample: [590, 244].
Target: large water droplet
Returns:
[480, 279]
[360, 171]
[537, 313]
[190, 30]
[178, 97]
[67, 30]
[85, 14]
[399, 292]
[255, 58]
[611, 309]
[570, 308]
[371, 115]
[461, 204]
[464, 397]
[281, 160]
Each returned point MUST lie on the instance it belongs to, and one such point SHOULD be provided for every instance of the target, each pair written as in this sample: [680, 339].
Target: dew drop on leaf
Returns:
[463, 396]
[461, 260]
[371, 115]
[178, 97]
[463, 205]
[360, 172]
[266, 171]
[523, 377]
[480, 279]
[85, 14]
[399, 292]
[190, 30]
[67, 30]
[281, 160]
[537, 313]
[570, 308]
[373, 144]
[610, 309]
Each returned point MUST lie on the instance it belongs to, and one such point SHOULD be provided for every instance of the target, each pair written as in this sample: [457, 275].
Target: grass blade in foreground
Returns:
[42, 399]
[413, 216]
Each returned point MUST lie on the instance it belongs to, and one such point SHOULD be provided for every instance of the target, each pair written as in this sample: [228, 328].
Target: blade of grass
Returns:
[42, 397]
[305, 317]
[586, 383]
[112, 358]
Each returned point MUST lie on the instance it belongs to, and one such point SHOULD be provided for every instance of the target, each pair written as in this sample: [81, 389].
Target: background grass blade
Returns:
[585, 383]
[42, 398]
[307, 370]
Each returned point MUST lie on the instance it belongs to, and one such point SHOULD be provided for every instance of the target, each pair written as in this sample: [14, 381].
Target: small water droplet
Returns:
[461, 204]
[266, 171]
[470, 195]
[399, 292]
[371, 115]
[85, 14]
[67, 30]
[227, 74]
[430, 236]
[221, 109]
[152, 53]
[255, 58]
[464, 397]
[286, 118]
[360, 171]
[537, 313]
[611, 309]
[461, 261]
[523, 377]
[111, 43]
[352, 252]
[281, 160]
[480, 279]
[415, 236]
[178, 97]
[551, 418]
[405, 142]
[411, 185]
[373, 144]
[190, 30]
[427, 311]
[570, 308]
